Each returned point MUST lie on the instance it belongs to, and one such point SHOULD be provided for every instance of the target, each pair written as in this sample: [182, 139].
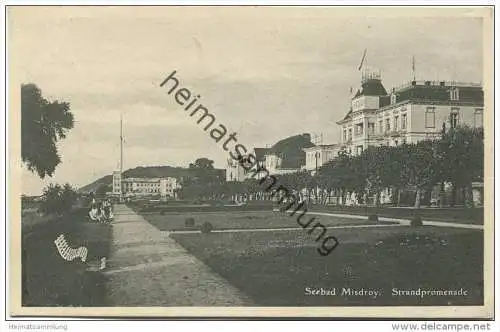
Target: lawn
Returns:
[457, 214]
[275, 268]
[242, 219]
[48, 280]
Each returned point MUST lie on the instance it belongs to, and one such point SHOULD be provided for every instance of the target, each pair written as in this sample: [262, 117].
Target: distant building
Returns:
[142, 187]
[117, 183]
[284, 157]
[317, 156]
[409, 113]
[234, 171]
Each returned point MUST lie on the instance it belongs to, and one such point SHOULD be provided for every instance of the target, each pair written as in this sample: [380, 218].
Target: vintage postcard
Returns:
[250, 161]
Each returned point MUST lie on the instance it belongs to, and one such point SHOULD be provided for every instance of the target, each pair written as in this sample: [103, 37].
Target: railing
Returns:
[437, 83]
[375, 135]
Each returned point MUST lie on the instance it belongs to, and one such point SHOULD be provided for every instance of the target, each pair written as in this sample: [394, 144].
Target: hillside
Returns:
[143, 172]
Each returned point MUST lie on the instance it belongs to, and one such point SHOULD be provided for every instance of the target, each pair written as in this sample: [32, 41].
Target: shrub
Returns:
[189, 222]
[373, 217]
[206, 227]
[58, 200]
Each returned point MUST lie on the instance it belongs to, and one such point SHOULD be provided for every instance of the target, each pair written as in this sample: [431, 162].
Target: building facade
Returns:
[234, 171]
[317, 156]
[410, 113]
[285, 157]
[117, 183]
[142, 187]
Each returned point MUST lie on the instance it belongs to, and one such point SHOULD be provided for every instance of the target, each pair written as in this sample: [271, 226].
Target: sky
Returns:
[265, 73]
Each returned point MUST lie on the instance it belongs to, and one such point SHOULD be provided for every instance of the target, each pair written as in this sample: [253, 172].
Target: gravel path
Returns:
[148, 268]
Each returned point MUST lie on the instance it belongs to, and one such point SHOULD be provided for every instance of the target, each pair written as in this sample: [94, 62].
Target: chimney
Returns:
[427, 82]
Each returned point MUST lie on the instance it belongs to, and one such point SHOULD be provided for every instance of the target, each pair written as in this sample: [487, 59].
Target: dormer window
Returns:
[393, 98]
[454, 94]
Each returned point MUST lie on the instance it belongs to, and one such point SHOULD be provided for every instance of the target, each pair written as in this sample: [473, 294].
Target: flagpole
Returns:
[413, 67]
[121, 157]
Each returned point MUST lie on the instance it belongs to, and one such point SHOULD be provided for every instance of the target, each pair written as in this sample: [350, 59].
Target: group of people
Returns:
[101, 212]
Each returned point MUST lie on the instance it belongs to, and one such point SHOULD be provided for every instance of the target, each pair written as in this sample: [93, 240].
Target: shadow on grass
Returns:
[276, 268]
[47, 279]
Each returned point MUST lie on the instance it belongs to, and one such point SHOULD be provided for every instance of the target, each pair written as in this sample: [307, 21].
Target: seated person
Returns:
[94, 213]
[102, 215]
[107, 211]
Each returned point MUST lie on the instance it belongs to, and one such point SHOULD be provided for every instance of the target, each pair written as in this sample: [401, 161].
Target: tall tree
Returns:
[423, 169]
[396, 174]
[202, 163]
[43, 124]
[461, 152]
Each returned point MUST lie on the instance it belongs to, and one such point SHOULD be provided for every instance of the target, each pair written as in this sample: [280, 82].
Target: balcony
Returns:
[395, 133]
[348, 141]
[376, 136]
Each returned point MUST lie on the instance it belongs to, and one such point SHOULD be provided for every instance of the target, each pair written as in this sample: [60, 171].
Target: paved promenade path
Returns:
[148, 268]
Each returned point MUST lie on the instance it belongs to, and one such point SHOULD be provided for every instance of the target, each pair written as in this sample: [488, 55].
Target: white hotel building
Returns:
[144, 187]
[409, 113]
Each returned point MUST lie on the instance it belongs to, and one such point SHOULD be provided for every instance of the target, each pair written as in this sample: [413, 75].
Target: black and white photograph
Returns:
[250, 161]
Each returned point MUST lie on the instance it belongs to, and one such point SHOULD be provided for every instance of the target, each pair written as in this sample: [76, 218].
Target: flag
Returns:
[362, 60]
[413, 63]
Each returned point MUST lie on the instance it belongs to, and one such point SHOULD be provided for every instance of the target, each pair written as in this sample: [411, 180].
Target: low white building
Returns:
[317, 156]
[143, 187]
[234, 171]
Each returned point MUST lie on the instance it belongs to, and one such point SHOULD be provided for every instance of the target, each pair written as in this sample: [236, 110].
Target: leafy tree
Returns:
[423, 169]
[398, 172]
[58, 200]
[43, 124]
[461, 156]
[377, 165]
[205, 181]
[202, 163]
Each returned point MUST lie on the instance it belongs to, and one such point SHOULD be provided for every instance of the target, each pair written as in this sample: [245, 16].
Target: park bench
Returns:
[67, 253]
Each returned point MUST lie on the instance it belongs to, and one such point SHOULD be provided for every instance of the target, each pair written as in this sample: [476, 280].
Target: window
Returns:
[403, 121]
[454, 117]
[350, 133]
[396, 142]
[430, 117]
[371, 128]
[381, 126]
[396, 122]
[359, 149]
[387, 125]
[454, 94]
[345, 135]
[359, 129]
[478, 118]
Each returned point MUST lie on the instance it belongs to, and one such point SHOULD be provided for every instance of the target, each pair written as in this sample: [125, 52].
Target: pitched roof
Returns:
[439, 93]
[260, 153]
[371, 87]
[290, 150]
